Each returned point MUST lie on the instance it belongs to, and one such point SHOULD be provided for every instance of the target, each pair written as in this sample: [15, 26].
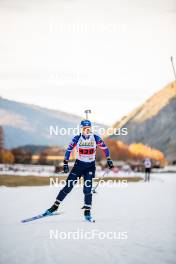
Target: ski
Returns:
[89, 219]
[39, 217]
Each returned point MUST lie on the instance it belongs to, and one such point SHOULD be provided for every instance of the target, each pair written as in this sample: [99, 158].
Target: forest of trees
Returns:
[135, 151]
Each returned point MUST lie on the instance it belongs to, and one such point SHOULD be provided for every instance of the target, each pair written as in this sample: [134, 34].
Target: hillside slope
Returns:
[25, 124]
[153, 123]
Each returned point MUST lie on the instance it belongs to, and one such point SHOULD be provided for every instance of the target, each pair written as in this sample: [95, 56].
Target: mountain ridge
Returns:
[152, 123]
[26, 124]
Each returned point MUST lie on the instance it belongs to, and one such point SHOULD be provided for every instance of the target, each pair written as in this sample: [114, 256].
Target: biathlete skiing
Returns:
[86, 144]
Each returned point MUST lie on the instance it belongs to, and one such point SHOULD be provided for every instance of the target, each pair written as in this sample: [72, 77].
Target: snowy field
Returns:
[48, 170]
[143, 214]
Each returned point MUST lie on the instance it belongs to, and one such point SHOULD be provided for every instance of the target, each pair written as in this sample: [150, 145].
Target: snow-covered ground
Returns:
[144, 213]
[48, 170]
[26, 170]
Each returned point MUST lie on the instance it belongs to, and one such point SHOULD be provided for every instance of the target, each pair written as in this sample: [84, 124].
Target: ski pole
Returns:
[105, 173]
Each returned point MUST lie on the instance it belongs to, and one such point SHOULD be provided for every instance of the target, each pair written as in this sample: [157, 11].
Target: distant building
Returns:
[50, 159]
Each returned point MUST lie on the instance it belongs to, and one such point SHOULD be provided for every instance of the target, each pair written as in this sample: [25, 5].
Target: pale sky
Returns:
[105, 55]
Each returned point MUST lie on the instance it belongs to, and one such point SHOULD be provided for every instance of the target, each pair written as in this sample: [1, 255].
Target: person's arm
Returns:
[71, 147]
[101, 144]
[68, 152]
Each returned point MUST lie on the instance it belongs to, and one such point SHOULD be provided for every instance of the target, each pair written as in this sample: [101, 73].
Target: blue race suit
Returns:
[84, 165]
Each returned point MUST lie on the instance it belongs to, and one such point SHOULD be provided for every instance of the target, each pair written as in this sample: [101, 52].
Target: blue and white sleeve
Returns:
[71, 147]
[102, 145]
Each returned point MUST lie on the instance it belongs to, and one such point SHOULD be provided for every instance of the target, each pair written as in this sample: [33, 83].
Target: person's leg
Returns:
[89, 174]
[149, 171]
[145, 174]
[87, 189]
[70, 182]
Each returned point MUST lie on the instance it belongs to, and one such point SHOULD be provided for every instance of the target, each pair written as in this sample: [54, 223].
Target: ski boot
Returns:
[87, 214]
[53, 208]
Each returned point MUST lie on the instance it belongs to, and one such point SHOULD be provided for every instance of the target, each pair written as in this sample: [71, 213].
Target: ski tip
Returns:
[23, 221]
[45, 214]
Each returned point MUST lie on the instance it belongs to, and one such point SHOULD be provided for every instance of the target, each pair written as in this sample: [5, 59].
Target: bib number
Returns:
[86, 151]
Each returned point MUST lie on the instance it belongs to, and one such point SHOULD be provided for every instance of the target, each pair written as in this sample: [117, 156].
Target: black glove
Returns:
[66, 168]
[110, 163]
